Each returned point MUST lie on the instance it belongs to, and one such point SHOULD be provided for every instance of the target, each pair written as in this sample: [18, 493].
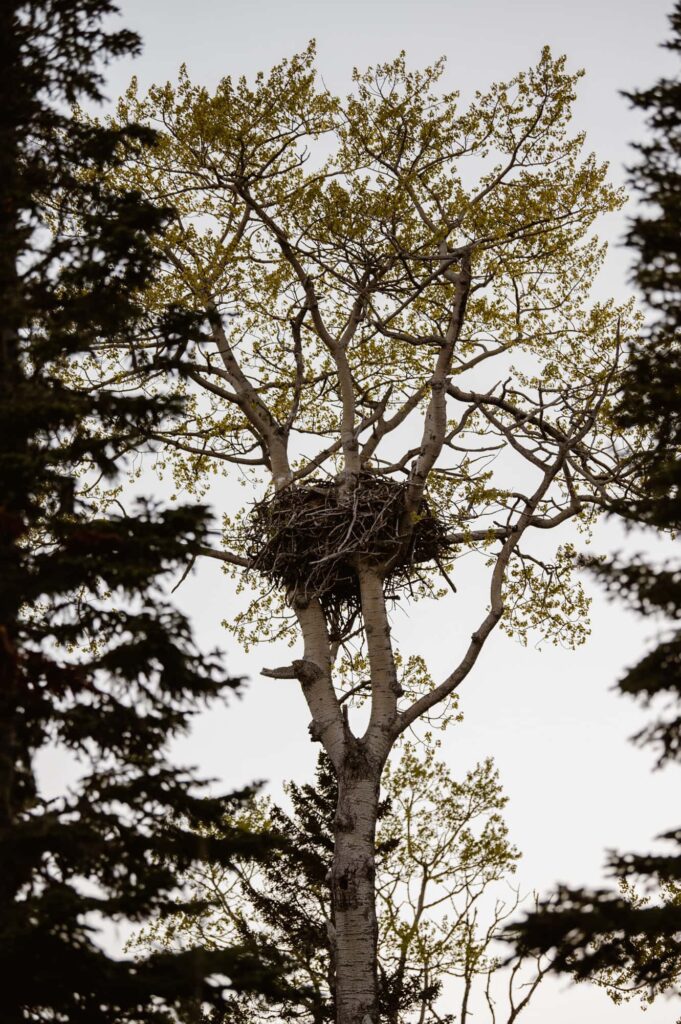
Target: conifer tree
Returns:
[630, 941]
[93, 658]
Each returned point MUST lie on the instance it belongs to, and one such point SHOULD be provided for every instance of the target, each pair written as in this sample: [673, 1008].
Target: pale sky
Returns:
[549, 718]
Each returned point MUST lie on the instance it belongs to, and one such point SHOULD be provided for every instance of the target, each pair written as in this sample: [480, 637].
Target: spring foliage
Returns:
[334, 245]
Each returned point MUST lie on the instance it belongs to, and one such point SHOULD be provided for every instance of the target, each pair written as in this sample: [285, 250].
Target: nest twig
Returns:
[310, 539]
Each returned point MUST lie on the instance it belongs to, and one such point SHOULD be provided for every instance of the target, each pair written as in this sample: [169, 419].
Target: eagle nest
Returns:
[309, 541]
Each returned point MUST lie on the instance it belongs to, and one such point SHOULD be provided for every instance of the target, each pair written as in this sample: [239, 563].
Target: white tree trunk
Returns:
[353, 896]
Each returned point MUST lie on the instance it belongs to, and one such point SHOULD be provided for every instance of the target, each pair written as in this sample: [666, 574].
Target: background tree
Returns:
[404, 361]
[93, 659]
[630, 940]
[444, 870]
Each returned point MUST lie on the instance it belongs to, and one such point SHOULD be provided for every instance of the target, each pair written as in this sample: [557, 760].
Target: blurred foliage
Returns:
[630, 941]
[98, 671]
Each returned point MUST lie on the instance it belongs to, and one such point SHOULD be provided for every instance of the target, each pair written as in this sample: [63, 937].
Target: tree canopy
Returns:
[395, 290]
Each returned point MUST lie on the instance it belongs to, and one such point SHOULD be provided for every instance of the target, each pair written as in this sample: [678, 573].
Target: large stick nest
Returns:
[309, 539]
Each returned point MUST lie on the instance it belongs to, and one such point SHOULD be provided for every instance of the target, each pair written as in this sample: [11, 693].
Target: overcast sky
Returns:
[549, 717]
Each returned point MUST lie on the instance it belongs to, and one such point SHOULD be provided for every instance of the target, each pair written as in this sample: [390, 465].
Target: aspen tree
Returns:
[402, 357]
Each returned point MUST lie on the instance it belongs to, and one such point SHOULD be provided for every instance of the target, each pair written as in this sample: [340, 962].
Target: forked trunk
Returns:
[354, 907]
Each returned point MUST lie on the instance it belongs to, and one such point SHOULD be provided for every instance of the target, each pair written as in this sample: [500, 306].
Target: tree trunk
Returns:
[352, 886]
